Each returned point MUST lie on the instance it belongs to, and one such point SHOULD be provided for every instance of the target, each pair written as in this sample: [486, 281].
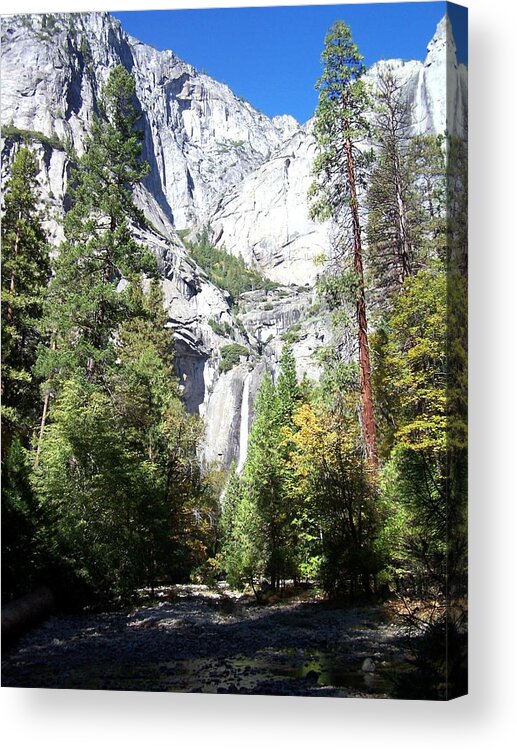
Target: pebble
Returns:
[368, 665]
[185, 642]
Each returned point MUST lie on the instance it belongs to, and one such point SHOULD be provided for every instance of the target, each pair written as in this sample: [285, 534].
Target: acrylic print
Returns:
[234, 262]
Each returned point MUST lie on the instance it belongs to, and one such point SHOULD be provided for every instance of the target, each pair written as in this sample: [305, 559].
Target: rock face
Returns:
[265, 217]
[434, 108]
[214, 159]
[199, 137]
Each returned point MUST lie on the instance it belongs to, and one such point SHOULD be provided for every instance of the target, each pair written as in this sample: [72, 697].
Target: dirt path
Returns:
[200, 641]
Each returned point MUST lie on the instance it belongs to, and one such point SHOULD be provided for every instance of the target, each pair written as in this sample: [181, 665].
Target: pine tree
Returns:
[118, 471]
[25, 272]
[340, 126]
[393, 201]
[116, 462]
[263, 479]
[287, 388]
[427, 156]
[85, 306]
[242, 552]
[163, 437]
[261, 537]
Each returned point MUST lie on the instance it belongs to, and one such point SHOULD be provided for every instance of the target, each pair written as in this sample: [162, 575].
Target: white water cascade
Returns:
[244, 426]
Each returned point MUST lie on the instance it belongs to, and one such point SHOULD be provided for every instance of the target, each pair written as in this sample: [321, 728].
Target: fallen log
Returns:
[28, 610]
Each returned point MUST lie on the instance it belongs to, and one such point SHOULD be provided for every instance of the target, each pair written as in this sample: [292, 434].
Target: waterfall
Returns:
[244, 427]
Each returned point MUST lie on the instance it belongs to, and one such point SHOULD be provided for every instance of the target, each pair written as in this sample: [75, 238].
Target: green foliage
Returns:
[416, 362]
[395, 212]
[84, 306]
[242, 556]
[23, 556]
[260, 530]
[287, 389]
[412, 386]
[231, 355]
[49, 23]
[25, 271]
[222, 329]
[292, 335]
[32, 136]
[225, 270]
[82, 483]
[337, 518]
[427, 153]
[116, 466]
[240, 326]
[340, 117]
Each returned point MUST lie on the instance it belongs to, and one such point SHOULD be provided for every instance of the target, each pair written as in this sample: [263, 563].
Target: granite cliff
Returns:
[214, 160]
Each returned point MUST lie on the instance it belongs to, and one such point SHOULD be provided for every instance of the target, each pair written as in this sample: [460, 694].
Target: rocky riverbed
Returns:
[193, 639]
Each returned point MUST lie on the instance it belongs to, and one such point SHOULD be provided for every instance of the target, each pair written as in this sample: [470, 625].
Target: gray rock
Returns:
[368, 665]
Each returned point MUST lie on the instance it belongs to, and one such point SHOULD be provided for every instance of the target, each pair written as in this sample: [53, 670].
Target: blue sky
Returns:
[271, 55]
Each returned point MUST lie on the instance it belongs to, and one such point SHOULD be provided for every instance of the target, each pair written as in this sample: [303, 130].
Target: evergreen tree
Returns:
[173, 506]
[427, 156]
[25, 272]
[263, 480]
[393, 202]
[242, 551]
[83, 481]
[118, 471]
[287, 389]
[260, 535]
[116, 463]
[340, 126]
[85, 305]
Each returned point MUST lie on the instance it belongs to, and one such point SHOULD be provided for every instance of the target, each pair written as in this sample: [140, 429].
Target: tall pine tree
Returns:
[340, 126]
[393, 203]
[116, 463]
[84, 306]
[25, 273]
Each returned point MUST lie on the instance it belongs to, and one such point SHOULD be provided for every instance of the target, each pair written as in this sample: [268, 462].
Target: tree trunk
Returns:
[12, 283]
[405, 248]
[44, 416]
[365, 380]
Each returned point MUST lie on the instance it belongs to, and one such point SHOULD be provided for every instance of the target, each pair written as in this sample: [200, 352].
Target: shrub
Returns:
[292, 335]
[230, 356]
[226, 271]
[222, 329]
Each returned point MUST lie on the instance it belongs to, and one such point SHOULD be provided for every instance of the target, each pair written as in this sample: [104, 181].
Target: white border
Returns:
[80, 719]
